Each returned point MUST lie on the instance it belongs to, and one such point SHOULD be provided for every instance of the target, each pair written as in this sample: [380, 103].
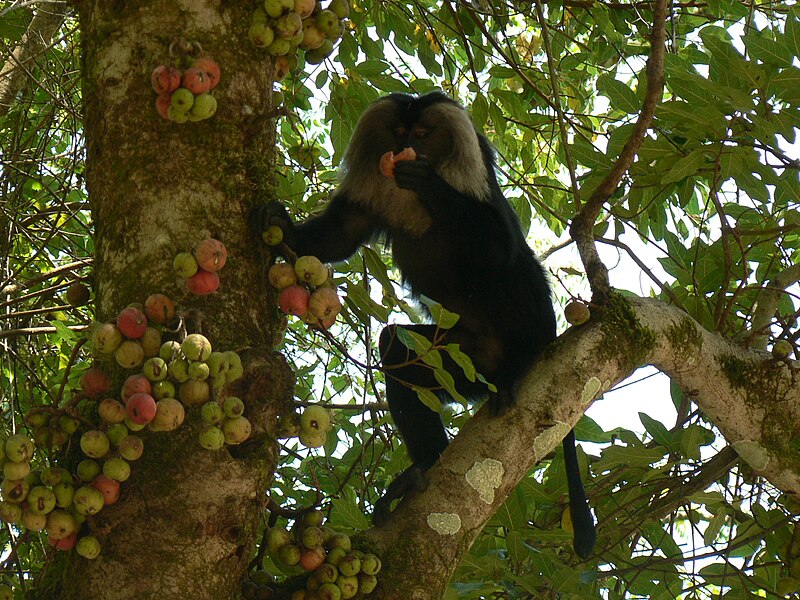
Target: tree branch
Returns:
[749, 396]
[767, 304]
[582, 224]
[42, 28]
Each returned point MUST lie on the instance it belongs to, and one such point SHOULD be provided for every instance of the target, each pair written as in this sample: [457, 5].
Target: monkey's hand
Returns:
[416, 175]
[412, 479]
[267, 217]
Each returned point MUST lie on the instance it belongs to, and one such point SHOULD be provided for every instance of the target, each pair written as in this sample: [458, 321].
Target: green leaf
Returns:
[786, 85]
[686, 166]
[462, 360]
[792, 31]
[441, 316]
[768, 51]
[428, 398]
[657, 430]
[347, 514]
[621, 96]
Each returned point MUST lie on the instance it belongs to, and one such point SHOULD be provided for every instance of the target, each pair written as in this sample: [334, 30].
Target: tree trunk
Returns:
[187, 522]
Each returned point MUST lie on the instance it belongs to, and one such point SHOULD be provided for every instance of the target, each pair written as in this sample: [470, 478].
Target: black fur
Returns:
[455, 239]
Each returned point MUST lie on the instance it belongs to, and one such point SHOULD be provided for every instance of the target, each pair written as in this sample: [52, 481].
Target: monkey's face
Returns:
[438, 129]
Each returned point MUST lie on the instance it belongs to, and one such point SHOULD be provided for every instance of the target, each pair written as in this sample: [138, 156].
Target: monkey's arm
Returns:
[332, 236]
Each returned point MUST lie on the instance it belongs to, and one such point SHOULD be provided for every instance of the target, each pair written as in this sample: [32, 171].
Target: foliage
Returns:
[707, 216]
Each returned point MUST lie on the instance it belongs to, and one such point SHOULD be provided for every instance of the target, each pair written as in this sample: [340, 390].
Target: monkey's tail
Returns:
[584, 533]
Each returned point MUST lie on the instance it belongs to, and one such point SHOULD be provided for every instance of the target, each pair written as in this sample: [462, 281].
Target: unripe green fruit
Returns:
[163, 389]
[171, 350]
[51, 476]
[217, 364]
[288, 25]
[88, 470]
[14, 490]
[341, 8]
[329, 591]
[37, 418]
[88, 547]
[261, 35]
[131, 448]
[236, 430]
[170, 415]
[233, 407]
[211, 438]
[41, 500]
[63, 493]
[279, 47]
[95, 443]
[289, 555]
[19, 448]
[155, 369]
[117, 469]
[16, 470]
[68, 425]
[348, 584]
[335, 555]
[181, 100]
[129, 354]
[349, 565]
[184, 264]
[106, 338]
[326, 573]
[311, 537]
[87, 500]
[313, 439]
[33, 521]
[204, 107]
[212, 413]
[370, 564]
[577, 313]
[196, 347]
[341, 540]
[116, 433]
[179, 370]
[111, 410]
[235, 368]
[315, 418]
[272, 235]
[194, 393]
[10, 512]
[198, 370]
[367, 583]
[273, 8]
[60, 525]
[277, 538]
[311, 270]
[782, 349]
[259, 15]
[313, 518]
[327, 21]
[317, 55]
[133, 426]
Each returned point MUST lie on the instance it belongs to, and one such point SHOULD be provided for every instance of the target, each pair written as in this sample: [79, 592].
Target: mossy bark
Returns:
[188, 519]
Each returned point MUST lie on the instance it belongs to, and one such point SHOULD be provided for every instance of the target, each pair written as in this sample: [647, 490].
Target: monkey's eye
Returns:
[400, 133]
[420, 133]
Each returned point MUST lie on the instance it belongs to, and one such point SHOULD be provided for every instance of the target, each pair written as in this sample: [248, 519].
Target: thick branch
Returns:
[768, 299]
[582, 224]
[18, 67]
[745, 393]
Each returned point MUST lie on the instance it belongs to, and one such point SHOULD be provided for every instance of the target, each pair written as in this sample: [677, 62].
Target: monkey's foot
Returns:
[410, 480]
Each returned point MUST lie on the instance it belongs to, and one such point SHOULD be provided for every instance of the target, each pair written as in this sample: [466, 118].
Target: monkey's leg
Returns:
[420, 427]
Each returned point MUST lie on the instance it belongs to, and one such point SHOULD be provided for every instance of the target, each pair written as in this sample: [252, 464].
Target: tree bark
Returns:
[753, 399]
[187, 524]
